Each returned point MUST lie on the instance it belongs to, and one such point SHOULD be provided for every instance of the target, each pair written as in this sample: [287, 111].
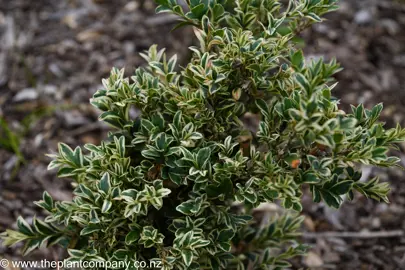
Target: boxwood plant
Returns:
[179, 182]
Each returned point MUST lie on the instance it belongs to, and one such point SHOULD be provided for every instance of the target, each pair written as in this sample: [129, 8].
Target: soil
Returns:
[53, 55]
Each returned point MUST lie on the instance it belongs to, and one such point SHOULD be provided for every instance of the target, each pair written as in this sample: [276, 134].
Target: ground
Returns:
[53, 55]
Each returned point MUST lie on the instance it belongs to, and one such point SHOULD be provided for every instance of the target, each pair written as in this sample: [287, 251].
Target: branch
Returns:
[359, 235]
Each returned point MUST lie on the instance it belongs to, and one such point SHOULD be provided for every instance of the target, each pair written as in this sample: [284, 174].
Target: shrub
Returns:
[178, 184]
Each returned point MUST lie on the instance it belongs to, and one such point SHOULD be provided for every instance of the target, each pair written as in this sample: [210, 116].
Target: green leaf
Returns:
[250, 196]
[264, 108]
[66, 172]
[224, 246]
[105, 184]
[225, 235]
[120, 144]
[94, 217]
[176, 178]
[112, 118]
[310, 178]
[218, 11]
[379, 152]
[106, 206]
[224, 188]
[31, 245]
[46, 202]
[182, 24]
[42, 227]
[85, 192]
[342, 187]
[90, 229]
[76, 253]
[297, 206]
[67, 153]
[348, 123]
[177, 119]
[297, 59]
[303, 82]
[187, 256]
[314, 17]
[331, 199]
[47, 199]
[121, 254]
[295, 114]
[186, 239]
[199, 243]
[199, 10]
[132, 237]
[24, 227]
[192, 206]
[203, 156]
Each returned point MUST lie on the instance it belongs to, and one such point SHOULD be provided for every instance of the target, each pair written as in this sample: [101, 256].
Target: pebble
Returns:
[381, 208]
[10, 163]
[332, 257]
[363, 17]
[376, 223]
[50, 89]
[56, 70]
[8, 195]
[89, 35]
[309, 224]
[391, 26]
[131, 6]
[26, 94]
[14, 204]
[38, 139]
[28, 211]
[74, 118]
[313, 260]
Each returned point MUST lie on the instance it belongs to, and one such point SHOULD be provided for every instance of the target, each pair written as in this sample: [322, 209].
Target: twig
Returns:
[85, 129]
[162, 20]
[324, 266]
[359, 235]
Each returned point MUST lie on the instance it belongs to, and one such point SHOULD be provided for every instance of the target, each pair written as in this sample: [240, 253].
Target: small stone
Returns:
[28, 211]
[74, 118]
[337, 243]
[13, 205]
[88, 35]
[381, 208]
[8, 195]
[89, 138]
[309, 224]
[129, 47]
[50, 89]
[363, 17]
[131, 6]
[391, 26]
[26, 94]
[71, 21]
[55, 69]
[313, 260]
[10, 163]
[375, 223]
[331, 257]
[38, 139]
